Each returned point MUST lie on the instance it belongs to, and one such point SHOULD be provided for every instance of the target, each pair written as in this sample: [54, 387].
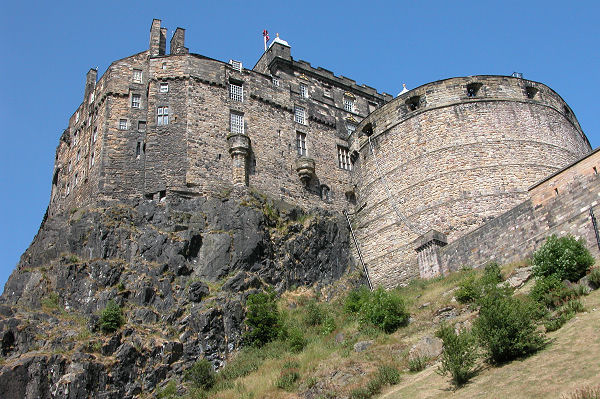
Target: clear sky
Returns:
[51, 45]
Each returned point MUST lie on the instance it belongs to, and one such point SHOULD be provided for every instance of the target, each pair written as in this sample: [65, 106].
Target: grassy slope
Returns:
[571, 360]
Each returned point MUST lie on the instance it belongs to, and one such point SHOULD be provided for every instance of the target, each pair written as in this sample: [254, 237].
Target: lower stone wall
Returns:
[517, 233]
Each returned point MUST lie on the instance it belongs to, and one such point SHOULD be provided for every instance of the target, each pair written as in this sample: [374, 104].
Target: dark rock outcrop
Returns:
[157, 260]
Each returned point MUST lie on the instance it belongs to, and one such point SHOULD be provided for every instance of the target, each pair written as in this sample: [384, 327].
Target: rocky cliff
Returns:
[180, 269]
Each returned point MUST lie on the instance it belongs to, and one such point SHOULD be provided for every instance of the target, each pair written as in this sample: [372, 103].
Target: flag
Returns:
[266, 35]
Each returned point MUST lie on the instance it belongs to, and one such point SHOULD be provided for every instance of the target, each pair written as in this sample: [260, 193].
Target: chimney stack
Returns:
[178, 42]
[158, 39]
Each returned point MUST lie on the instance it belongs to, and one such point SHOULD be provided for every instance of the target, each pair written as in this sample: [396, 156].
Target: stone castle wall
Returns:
[517, 233]
[453, 160]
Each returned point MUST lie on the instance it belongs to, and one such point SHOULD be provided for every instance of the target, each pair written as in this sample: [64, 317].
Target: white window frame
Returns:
[164, 87]
[236, 123]
[137, 76]
[95, 135]
[303, 90]
[349, 104]
[300, 115]
[344, 158]
[136, 100]
[237, 65]
[275, 81]
[92, 159]
[301, 144]
[77, 117]
[236, 92]
[162, 116]
[122, 124]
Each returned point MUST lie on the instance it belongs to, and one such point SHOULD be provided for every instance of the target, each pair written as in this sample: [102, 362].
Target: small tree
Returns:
[459, 355]
[565, 257]
[505, 326]
[111, 318]
[262, 319]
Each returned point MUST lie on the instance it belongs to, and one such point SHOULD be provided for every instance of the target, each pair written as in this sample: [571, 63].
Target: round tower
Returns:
[449, 156]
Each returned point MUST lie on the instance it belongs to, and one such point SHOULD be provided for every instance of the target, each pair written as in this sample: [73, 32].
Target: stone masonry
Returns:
[418, 171]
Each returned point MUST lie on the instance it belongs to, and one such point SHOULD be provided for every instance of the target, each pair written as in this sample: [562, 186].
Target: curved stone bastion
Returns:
[448, 156]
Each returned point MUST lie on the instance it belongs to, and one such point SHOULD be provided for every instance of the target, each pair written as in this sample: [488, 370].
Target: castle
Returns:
[417, 172]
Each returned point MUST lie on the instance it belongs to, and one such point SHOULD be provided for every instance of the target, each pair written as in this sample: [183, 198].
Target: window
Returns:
[473, 89]
[142, 126]
[69, 167]
[162, 116]
[92, 159]
[237, 65]
[163, 66]
[95, 135]
[325, 193]
[301, 143]
[344, 158]
[135, 100]
[531, 92]
[122, 124]
[91, 97]
[75, 138]
[164, 87]
[275, 81]
[303, 90]
[138, 149]
[299, 115]
[78, 155]
[137, 75]
[75, 180]
[68, 189]
[413, 103]
[327, 91]
[77, 117]
[349, 104]
[236, 92]
[350, 127]
[236, 123]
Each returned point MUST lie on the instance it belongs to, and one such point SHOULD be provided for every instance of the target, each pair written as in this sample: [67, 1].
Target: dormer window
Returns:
[531, 92]
[350, 128]
[237, 65]
[413, 103]
[473, 89]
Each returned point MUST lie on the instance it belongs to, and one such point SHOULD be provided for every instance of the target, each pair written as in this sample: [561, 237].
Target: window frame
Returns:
[349, 104]
[299, 115]
[303, 90]
[122, 124]
[236, 123]
[163, 87]
[344, 158]
[162, 115]
[301, 148]
[236, 91]
[136, 100]
[137, 75]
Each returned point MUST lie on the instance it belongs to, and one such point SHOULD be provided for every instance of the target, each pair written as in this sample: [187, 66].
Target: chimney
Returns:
[90, 83]
[178, 42]
[158, 39]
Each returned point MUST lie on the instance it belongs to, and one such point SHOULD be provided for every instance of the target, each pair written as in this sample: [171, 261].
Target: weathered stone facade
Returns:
[446, 157]
[449, 156]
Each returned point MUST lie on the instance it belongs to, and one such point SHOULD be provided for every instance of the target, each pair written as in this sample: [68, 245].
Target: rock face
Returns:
[181, 270]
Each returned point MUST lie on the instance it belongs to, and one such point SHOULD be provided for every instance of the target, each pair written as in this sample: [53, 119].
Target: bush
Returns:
[314, 315]
[262, 319]
[201, 374]
[296, 340]
[384, 310]
[472, 288]
[388, 375]
[328, 325]
[356, 298]
[288, 376]
[505, 326]
[565, 257]
[111, 318]
[417, 362]
[459, 355]
[594, 277]
[543, 287]
[169, 391]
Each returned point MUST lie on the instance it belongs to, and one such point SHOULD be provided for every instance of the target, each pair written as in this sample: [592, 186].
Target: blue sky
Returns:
[51, 45]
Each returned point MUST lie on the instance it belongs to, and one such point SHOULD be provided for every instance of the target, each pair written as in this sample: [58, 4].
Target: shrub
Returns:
[201, 374]
[296, 340]
[459, 355]
[328, 325]
[468, 290]
[314, 315]
[384, 310]
[288, 376]
[558, 322]
[388, 374]
[505, 326]
[169, 391]
[565, 257]
[356, 298]
[543, 287]
[262, 319]
[360, 393]
[111, 318]
[594, 277]
[417, 362]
